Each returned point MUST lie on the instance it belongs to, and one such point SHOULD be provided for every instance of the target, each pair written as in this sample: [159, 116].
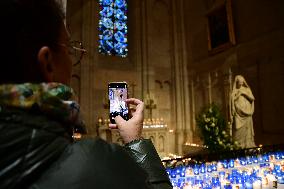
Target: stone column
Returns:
[192, 101]
[227, 90]
[209, 87]
[89, 33]
[180, 78]
[144, 49]
[229, 64]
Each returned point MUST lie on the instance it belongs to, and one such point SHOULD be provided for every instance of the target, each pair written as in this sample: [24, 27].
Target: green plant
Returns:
[213, 130]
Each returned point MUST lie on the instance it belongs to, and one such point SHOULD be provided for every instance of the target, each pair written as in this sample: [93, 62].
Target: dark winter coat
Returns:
[37, 152]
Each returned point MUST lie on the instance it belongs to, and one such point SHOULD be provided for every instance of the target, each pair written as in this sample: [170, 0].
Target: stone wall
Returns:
[169, 59]
[257, 55]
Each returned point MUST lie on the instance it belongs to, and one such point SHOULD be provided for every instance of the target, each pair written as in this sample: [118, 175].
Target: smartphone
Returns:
[117, 92]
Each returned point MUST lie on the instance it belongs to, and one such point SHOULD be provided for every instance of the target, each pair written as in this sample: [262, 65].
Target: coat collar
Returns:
[52, 99]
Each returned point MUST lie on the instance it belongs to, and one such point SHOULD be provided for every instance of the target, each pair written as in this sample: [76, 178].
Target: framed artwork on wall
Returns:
[220, 28]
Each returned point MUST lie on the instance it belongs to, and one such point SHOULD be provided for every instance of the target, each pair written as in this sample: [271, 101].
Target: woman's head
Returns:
[33, 38]
[240, 81]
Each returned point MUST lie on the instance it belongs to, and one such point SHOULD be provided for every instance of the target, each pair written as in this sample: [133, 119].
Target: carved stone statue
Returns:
[242, 108]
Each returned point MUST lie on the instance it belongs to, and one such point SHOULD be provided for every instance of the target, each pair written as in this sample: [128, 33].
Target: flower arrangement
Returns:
[213, 130]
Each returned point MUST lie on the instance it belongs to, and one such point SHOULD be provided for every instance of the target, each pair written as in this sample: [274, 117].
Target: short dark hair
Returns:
[27, 25]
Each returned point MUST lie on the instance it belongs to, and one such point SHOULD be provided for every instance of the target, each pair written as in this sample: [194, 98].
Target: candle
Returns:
[257, 184]
[235, 186]
[264, 181]
[248, 185]
[272, 182]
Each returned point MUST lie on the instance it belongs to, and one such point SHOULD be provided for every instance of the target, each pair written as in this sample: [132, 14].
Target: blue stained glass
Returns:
[107, 22]
[113, 27]
[119, 14]
[105, 2]
[120, 37]
[119, 25]
[120, 48]
[106, 12]
[107, 35]
[120, 3]
[106, 45]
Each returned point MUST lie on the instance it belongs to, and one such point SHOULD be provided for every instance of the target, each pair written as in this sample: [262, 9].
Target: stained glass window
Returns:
[113, 27]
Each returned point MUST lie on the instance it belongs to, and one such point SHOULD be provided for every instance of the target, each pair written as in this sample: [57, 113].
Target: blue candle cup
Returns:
[280, 178]
[227, 186]
[255, 159]
[198, 183]
[182, 171]
[277, 156]
[265, 158]
[207, 186]
[222, 175]
[202, 168]
[214, 167]
[225, 164]
[231, 163]
[248, 160]
[178, 169]
[173, 173]
[243, 161]
[196, 169]
[282, 154]
[209, 168]
[260, 159]
[215, 182]
[234, 172]
[190, 180]
[180, 182]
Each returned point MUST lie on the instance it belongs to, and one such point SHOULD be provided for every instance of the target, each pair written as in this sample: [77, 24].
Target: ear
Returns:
[46, 63]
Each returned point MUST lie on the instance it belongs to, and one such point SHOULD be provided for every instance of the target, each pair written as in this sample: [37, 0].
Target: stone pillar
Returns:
[192, 104]
[209, 87]
[180, 78]
[139, 46]
[227, 90]
[144, 49]
[89, 37]
[229, 64]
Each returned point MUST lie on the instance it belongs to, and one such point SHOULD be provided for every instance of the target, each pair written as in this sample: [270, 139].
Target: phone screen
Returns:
[117, 95]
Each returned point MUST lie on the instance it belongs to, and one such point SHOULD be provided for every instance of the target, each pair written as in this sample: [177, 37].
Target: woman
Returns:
[118, 104]
[242, 108]
[38, 115]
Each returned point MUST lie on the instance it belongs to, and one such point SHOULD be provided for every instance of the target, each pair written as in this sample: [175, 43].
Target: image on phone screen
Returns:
[118, 106]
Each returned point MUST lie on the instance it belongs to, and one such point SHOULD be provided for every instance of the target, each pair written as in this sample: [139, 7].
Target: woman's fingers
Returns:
[119, 121]
[132, 110]
[139, 104]
[112, 126]
[133, 101]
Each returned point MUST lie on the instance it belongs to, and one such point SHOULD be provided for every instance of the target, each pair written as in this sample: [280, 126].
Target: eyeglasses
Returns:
[76, 49]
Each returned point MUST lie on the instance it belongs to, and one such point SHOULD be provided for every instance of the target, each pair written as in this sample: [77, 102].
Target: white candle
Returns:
[257, 185]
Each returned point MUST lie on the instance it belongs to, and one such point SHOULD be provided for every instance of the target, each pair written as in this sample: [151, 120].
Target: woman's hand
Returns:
[132, 129]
